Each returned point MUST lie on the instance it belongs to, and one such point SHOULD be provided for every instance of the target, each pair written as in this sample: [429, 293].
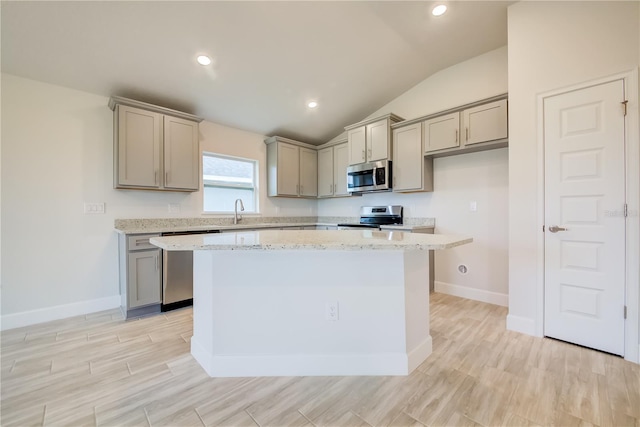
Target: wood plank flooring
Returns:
[99, 370]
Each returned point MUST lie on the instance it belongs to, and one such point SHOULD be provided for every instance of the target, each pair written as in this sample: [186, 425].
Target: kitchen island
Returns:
[285, 303]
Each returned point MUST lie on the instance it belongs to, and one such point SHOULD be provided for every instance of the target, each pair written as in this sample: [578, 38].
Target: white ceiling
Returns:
[270, 58]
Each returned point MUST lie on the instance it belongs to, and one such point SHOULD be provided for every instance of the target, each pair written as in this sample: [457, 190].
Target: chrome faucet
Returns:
[237, 217]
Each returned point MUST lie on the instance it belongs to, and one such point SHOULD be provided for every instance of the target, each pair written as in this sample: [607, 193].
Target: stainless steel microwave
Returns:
[366, 177]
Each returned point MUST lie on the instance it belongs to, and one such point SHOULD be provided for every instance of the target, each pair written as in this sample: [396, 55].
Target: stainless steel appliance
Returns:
[375, 216]
[177, 274]
[369, 177]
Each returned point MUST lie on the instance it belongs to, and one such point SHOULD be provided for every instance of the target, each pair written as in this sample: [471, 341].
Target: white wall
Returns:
[57, 154]
[458, 180]
[551, 45]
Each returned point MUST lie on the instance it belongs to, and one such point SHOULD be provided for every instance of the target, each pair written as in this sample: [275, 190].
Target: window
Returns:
[226, 179]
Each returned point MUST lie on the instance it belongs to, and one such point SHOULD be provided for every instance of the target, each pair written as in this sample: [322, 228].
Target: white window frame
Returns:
[222, 184]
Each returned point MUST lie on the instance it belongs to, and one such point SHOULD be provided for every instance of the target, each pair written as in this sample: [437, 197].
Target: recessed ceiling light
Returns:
[439, 10]
[204, 60]
[312, 104]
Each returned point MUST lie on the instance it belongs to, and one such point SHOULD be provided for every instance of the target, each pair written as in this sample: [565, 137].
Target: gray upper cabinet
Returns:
[138, 147]
[442, 132]
[292, 168]
[478, 126]
[155, 148]
[340, 164]
[308, 172]
[332, 170]
[412, 171]
[485, 123]
[357, 145]
[325, 172]
[181, 154]
[370, 140]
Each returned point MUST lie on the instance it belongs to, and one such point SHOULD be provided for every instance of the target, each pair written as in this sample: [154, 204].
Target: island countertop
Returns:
[310, 240]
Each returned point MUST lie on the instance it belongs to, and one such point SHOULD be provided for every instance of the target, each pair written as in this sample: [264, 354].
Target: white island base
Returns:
[264, 312]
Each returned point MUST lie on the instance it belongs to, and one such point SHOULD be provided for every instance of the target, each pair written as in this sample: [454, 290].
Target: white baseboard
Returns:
[471, 293]
[287, 365]
[419, 354]
[32, 317]
[520, 324]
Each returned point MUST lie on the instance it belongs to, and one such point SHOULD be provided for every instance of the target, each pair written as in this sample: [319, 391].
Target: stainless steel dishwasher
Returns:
[177, 274]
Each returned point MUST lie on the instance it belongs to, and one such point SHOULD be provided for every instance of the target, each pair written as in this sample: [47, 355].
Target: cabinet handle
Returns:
[298, 189]
[369, 153]
[166, 177]
[330, 188]
[155, 177]
[335, 188]
[456, 135]
[466, 133]
[362, 154]
[156, 262]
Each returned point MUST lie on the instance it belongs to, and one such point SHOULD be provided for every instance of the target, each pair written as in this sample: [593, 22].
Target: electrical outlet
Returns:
[94, 208]
[331, 311]
[174, 207]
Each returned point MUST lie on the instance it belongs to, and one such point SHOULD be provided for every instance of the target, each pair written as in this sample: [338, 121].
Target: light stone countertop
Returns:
[310, 240]
[167, 225]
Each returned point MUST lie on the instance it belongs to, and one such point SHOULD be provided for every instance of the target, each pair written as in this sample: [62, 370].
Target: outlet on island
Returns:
[331, 311]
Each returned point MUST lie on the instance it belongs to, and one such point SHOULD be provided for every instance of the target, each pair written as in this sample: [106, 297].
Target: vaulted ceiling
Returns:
[269, 58]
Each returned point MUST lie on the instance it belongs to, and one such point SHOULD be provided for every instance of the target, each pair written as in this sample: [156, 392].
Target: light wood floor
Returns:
[101, 370]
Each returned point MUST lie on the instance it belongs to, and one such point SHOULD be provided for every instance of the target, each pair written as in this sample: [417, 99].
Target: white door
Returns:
[584, 220]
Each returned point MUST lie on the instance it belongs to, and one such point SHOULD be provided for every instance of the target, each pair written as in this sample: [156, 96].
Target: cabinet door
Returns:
[144, 281]
[308, 172]
[181, 154]
[288, 169]
[378, 141]
[486, 122]
[139, 142]
[340, 164]
[408, 158]
[325, 172]
[442, 132]
[357, 140]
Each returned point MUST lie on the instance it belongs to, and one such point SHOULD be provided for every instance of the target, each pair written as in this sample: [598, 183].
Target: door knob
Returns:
[555, 229]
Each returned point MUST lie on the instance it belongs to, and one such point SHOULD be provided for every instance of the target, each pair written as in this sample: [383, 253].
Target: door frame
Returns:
[632, 181]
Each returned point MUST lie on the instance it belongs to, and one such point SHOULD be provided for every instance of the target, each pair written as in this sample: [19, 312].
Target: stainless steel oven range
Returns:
[375, 216]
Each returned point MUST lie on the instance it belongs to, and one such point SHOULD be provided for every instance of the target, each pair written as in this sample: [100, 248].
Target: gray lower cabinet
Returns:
[140, 275]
